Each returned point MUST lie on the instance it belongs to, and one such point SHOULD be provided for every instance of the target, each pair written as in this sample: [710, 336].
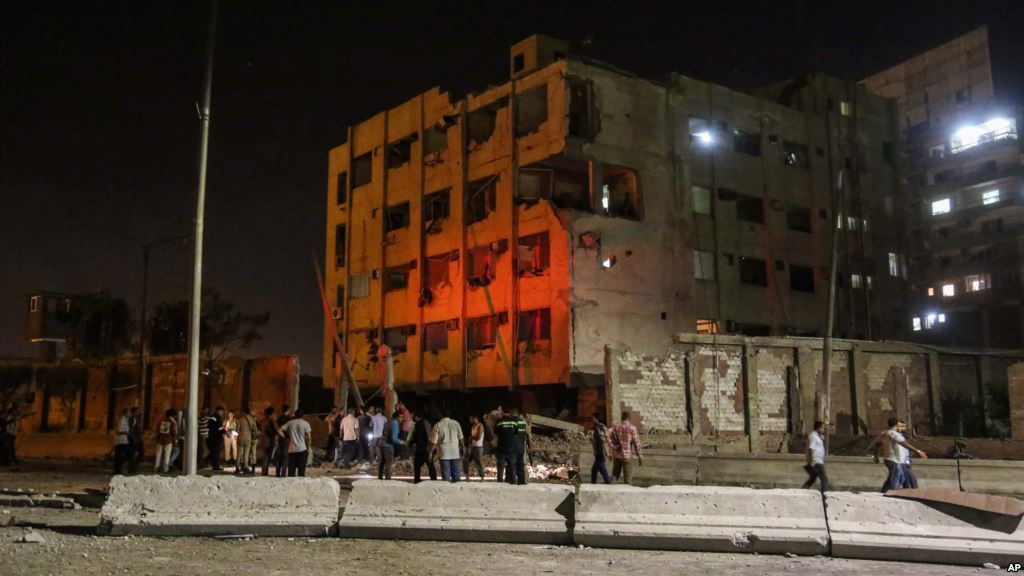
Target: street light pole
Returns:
[197, 270]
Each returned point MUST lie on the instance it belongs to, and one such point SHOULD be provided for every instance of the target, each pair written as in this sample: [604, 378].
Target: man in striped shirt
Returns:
[625, 442]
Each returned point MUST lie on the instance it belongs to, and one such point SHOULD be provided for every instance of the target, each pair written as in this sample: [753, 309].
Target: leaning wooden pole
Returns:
[348, 382]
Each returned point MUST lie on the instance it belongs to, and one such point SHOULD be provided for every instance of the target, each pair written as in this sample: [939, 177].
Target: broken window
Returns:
[339, 246]
[435, 139]
[581, 109]
[801, 278]
[435, 336]
[750, 209]
[700, 130]
[535, 325]
[701, 200]
[399, 153]
[359, 285]
[703, 265]
[397, 338]
[436, 206]
[746, 142]
[439, 270]
[531, 110]
[482, 263]
[341, 196]
[483, 199]
[753, 271]
[482, 332]
[795, 155]
[534, 254]
[620, 192]
[798, 219]
[481, 122]
[708, 327]
[518, 63]
[977, 282]
[397, 277]
[535, 183]
[396, 217]
[362, 170]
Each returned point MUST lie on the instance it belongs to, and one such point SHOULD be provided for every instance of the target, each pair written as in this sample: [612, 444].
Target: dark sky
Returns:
[99, 137]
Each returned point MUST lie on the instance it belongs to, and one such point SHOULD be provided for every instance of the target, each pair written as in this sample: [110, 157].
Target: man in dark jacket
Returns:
[270, 439]
[215, 440]
[599, 432]
[365, 430]
[420, 443]
[282, 445]
[506, 433]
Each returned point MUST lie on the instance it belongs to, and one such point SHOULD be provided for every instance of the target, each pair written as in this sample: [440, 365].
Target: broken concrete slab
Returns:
[201, 506]
[460, 512]
[545, 422]
[701, 518]
[872, 526]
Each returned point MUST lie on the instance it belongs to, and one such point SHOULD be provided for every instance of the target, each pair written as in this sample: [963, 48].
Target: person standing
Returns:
[365, 432]
[122, 444]
[231, 439]
[379, 423]
[136, 449]
[597, 441]
[331, 420]
[816, 457]
[166, 437]
[349, 438]
[625, 443]
[248, 432]
[406, 421]
[419, 441]
[215, 439]
[203, 445]
[9, 433]
[300, 437]
[448, 439]
[506, 437]
[389, 442]
[270, 439]
[475, 448]
[282, 446]
[523, 446]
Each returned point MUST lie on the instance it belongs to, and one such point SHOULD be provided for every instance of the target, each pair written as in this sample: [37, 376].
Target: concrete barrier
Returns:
[461, 512]
[878, 527]
[701, 518]
[1004, 478]
[660, 467]
[220, 505]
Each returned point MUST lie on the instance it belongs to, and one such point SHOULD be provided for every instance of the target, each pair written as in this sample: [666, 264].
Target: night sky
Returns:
[100, 132]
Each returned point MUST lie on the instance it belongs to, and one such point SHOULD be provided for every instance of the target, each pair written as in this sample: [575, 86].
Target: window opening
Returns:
[362, 170]
[341, 196]
[483, 199]
[534, 255]
[535, 325]
[396, 217]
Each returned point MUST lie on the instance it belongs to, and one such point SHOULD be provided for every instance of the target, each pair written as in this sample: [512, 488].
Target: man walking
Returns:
[448, 439]
[282, 445]
[625, 443]
[475, 447]
[597, 441]
[349, 438]
[215, 438]
[388, 444]
[204, 435]
[506, 433]
[893, 447]
[166, 437]
[270, 439]
[816, 457]
[248, 432]
[122, 444]
[420, 443]
[300, 437]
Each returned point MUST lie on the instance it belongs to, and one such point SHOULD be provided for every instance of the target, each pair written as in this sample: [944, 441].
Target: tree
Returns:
[223, 329]
[102, 326]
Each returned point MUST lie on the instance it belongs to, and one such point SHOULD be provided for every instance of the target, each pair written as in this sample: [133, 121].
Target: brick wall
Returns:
[1015, 375]
[654, 389]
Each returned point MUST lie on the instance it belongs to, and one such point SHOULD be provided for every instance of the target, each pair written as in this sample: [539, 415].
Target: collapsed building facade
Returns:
[505, 240]
[964, 176]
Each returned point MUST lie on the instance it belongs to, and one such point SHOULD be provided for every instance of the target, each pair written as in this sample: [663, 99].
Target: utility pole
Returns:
[826, 352]
[197, 264]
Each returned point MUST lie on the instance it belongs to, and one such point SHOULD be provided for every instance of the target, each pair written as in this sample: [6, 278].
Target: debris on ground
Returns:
[31, 537]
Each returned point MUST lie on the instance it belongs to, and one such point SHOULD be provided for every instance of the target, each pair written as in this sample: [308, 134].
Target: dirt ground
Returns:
[69, 546]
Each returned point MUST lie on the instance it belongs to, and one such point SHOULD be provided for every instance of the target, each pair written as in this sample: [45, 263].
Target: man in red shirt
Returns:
[625, 442]
[166, 436]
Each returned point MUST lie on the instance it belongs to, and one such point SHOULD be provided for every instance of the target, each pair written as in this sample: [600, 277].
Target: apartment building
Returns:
[503, 240]
[964, 175]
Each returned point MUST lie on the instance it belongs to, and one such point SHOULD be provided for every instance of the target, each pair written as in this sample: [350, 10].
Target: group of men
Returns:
[624, 442]
[890, 447]
[285, 439]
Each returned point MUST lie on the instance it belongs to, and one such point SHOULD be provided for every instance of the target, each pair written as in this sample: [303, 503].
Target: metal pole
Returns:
[197, 270]
[826, 352]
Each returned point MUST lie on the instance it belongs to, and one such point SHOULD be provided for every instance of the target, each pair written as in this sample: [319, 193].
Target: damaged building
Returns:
[503, 241]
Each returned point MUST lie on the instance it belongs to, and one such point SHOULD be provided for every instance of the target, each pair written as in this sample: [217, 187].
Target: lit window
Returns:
[606, 196]
[851, 223]
[34, 303]
[942, 318]
[929, 321]
[703, 265]
[977, 282]
[971, 136]
[943, 206]
[701, 200]
[931, 291]
[707, 327]
[948, 290]
[844, 107]
[917, 323]
[990, 197]
[855, 280]
[894, 264]
[868, 282]
[700, 131]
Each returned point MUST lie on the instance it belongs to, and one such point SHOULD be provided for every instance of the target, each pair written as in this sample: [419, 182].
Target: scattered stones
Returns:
[32, 537]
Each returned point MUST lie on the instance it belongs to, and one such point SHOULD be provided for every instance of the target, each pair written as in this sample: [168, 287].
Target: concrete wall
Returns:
[764, 393]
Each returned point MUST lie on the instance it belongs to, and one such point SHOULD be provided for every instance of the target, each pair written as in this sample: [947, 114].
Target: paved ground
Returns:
[69, 547]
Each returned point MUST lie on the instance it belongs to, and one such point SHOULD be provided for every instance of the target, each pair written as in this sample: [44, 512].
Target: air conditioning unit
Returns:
[452, 324]
[339, 262]
[337, 312]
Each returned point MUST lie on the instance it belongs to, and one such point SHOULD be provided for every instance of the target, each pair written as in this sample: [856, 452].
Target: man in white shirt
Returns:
[379, 421]
[122, 447]
[447, 440]
[816, 457]
[349, 438]
[894, 448]
[300, 436]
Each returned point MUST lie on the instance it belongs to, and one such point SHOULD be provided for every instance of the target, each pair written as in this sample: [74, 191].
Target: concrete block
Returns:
[701, 518]
[461, 512]
[219, 505]
[1000, 477]
[862, 474]
[878, 527]
[660, 467]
